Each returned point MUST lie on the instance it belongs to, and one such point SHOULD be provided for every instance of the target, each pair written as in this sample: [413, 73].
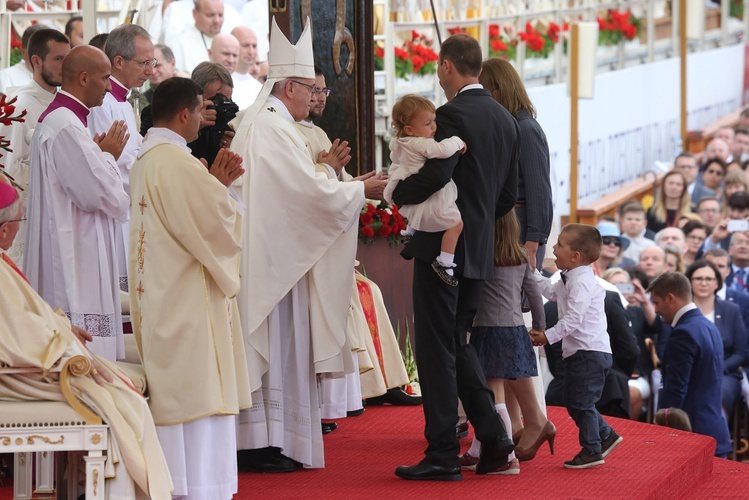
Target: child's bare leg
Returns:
[450, 238]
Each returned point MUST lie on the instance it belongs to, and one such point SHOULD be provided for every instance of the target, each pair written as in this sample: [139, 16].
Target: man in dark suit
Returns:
[486, 177]
[722, 261]
[692, 361]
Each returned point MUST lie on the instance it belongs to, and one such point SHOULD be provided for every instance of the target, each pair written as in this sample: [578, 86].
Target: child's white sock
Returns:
[475, 449]
[505, 416]
[409, 231]
[446, 260]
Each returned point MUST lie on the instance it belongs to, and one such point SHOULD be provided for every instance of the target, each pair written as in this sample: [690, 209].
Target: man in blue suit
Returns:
[692, 361]
[722, 261]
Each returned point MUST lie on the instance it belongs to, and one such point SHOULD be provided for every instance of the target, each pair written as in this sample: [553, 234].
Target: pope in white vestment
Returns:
[184, 278]
[76, 199]
[294, 295]
[34, 99]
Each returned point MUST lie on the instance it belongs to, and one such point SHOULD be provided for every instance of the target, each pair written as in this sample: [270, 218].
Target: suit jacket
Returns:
[486, 176]
[693, 376]
[624, 349]
[741, 300]
[733, 334]
[701, 191]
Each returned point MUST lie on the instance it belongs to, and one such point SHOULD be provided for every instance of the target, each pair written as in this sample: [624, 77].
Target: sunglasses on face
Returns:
[612, 240]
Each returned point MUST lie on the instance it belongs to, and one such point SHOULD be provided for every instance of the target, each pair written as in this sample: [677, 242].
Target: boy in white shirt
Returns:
[586, 347]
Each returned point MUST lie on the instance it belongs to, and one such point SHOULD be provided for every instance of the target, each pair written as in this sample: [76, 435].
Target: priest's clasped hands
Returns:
[113, 141]
[227, 167]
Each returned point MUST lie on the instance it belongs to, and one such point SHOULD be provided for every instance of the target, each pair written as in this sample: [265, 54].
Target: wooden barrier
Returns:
[641, 188]
[609, 203]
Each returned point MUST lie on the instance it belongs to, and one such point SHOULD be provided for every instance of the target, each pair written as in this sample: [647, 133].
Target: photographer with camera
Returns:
[218, 110]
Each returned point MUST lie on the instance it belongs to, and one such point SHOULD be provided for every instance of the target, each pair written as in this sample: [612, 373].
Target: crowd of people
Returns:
[216, 215]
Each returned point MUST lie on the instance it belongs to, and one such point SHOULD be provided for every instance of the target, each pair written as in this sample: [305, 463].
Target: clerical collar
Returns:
[306, 123]
[119, 92]
[274, 105]
[162, 135]
[66, 100]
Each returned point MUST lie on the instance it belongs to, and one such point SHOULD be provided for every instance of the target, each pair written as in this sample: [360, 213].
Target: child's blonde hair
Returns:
[508, 252]
[406, 108]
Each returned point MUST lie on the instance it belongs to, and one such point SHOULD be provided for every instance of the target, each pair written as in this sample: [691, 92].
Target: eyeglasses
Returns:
[612, 240]
[144, 64]
[325, 91]
[698, 239]
[705, 279]
[313, 89]
[14, 220]
[708, 210]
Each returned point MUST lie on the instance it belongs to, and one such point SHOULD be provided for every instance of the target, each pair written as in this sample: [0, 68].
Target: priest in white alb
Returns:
[76, 199]
[46, 51]
[299, 246]
[185, 248]
[130, 52]
[33, 335]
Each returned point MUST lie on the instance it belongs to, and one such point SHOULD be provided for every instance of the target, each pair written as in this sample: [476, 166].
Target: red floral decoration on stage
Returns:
[616, 26]
[539, 39]
[415, 57]
[7, 109]
[381, 220]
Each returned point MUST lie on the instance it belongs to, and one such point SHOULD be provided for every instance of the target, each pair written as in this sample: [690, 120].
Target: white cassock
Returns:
[15, 76]
[190, 48]
[339, 393]
[246, 89]
[34, 99]
[76, 199]
[177, 18]
[255, 16]
[299, 246]
[115, 107]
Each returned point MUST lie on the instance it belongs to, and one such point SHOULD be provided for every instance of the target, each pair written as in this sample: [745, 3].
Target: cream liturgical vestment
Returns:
[191, 48]
[115, 107]
[184, 269]
[33, 335]
[299, 240]
[34, 99]
[76, 199]
[184, 277]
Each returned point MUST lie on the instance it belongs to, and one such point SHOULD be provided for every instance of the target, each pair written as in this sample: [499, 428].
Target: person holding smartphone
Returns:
[737, 221]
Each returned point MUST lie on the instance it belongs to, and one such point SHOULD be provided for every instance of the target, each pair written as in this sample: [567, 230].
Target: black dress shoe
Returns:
[461, 430]
[396, 397]
[328, 427]
[267, 460]
[355, 413]
[494, 455]
[427, 471]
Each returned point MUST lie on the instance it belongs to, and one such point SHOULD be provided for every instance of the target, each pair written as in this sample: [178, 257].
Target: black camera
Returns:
[226, 110]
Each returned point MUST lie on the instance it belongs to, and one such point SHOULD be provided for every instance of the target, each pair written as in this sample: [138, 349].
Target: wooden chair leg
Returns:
[22, 476]
[45, 473]
[94, 476]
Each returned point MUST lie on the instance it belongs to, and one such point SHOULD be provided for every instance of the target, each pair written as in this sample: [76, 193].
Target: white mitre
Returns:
[284, 61]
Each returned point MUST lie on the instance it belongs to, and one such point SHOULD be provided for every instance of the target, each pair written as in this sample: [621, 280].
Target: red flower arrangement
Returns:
[616, 26]
[415, 57]
[6, 118]
[539, 40]
[381, 220]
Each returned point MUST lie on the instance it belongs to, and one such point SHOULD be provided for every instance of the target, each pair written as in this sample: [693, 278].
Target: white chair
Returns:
[46, 427]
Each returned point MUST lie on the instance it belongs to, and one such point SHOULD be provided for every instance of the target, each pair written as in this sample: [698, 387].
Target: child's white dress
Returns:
[408, 154]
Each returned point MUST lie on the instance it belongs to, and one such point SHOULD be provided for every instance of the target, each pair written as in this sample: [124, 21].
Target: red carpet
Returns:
[652, 462]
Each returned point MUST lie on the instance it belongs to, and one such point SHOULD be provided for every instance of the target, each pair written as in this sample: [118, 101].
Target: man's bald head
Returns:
[225, 51]
[247, 48]
[85, 74]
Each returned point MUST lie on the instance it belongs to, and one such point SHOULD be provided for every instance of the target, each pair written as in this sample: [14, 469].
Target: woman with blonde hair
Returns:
[534, 206]
[671, 203]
